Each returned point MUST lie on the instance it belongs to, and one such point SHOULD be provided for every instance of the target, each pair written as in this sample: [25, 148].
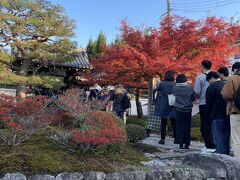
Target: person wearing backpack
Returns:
[216, 107]
[231, 94]
[118, 101]
[126, 106]
[200, 87]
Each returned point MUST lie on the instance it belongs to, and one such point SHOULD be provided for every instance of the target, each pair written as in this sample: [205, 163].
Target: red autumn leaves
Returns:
[179, 44]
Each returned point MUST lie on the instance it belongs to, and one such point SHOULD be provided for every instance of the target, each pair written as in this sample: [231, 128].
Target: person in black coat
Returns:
[216, 108]
[162, 108]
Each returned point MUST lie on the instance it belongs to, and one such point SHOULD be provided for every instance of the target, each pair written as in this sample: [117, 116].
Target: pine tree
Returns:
[101, 42]
[91, 48]
[118, 41]
[33, 31]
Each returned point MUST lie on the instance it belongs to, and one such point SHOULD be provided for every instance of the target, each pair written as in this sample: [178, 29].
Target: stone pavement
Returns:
[169, 145]
[174, 163]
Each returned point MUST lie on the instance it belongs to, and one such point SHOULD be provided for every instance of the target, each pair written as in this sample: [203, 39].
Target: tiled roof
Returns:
[81, 61]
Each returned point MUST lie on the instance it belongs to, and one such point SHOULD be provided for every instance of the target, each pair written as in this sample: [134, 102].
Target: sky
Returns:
[93, 16]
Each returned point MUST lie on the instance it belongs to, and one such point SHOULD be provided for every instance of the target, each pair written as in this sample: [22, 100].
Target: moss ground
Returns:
[39, 155]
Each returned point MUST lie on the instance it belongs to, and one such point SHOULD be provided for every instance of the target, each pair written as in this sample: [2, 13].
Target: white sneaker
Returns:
[207, 150]
[203, 149]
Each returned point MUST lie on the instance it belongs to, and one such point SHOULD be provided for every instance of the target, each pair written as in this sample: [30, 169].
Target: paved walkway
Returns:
[169, 145]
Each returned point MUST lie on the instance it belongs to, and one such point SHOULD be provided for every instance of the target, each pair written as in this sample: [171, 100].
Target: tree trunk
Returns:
[24, 67]
[138, 104]
[150, 94]
[21, 89]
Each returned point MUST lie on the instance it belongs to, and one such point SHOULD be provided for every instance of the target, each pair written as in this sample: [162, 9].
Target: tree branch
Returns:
[9, 64]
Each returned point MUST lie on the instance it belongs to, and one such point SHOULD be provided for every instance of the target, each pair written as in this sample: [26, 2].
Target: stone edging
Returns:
[195, 166]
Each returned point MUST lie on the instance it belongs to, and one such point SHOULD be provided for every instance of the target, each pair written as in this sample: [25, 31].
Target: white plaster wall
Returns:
[9, 92]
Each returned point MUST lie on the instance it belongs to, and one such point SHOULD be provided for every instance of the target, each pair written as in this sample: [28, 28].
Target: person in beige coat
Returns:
[228, 93]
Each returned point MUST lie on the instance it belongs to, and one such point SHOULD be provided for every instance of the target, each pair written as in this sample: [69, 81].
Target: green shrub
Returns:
[135, 132]
[138, 121]
[196, 120]
[108, 149]
[196, 134]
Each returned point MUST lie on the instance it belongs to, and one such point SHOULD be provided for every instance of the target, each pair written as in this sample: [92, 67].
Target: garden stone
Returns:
[41, 177]
[190, 174]
[69, 176]
[14, 176]
[221, 166]
[155, 164]
[126, 176]
[94, 176]
[159, 175]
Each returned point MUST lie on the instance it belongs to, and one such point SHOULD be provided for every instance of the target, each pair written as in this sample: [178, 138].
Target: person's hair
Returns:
[212, 74]
[119, 86]
[236, 66]
[223, 70]
[169, 75]
[207, 64]
[181, 78]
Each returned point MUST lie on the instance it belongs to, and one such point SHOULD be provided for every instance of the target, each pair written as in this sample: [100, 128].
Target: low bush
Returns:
[99, 129]
[135, 132]
[196, 134]
[196, 120]
[138, 121]
[98, 133]
[21, 118]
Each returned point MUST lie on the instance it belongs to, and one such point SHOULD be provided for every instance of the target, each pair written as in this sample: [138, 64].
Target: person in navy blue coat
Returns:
[162, 108]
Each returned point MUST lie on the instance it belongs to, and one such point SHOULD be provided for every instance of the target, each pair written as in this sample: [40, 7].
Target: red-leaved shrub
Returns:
[91, 128]
[74, 102]
[101, 129]
[22, 117]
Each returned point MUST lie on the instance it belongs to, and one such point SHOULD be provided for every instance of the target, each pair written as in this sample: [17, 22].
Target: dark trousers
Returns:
[164, 126]
[119, 114]
[183, 126]
[221, 135]
[206, 127]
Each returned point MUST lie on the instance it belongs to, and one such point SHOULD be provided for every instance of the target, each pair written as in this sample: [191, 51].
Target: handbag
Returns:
[171, 100]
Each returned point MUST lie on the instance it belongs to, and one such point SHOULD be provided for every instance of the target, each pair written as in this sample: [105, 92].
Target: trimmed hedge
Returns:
[135, 132]
[138, 121]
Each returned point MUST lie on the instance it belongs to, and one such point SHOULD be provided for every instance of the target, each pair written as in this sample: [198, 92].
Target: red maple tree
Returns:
[179, 44]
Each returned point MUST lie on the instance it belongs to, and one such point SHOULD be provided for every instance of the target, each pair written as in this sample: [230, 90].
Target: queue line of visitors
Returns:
[216, 93]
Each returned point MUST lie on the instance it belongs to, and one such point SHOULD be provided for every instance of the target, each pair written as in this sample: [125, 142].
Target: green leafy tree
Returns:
[33, 31]
[118, 41]
[101, 42]
[91, 48]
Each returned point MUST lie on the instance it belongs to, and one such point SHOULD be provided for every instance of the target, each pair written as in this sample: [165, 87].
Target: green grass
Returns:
[39, 155]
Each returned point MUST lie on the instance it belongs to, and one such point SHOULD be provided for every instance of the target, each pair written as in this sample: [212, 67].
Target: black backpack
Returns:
[237, 98]
[126, 102]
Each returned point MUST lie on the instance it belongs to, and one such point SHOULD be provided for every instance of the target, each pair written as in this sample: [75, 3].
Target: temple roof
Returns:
[81, 61]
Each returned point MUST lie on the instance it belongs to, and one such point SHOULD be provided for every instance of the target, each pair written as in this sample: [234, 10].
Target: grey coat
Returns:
[162, 108]
[184, 97]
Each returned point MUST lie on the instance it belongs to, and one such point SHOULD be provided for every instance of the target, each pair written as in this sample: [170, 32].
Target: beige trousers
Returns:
[235, 134]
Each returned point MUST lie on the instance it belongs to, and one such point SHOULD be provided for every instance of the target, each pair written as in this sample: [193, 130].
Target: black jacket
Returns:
[216, 105]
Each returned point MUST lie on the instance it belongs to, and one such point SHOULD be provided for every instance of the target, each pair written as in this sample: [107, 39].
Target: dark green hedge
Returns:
[135, 132]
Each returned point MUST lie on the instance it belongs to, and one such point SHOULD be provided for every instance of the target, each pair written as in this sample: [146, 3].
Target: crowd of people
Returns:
[218, 95]
[219, 113]
[116, 98]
